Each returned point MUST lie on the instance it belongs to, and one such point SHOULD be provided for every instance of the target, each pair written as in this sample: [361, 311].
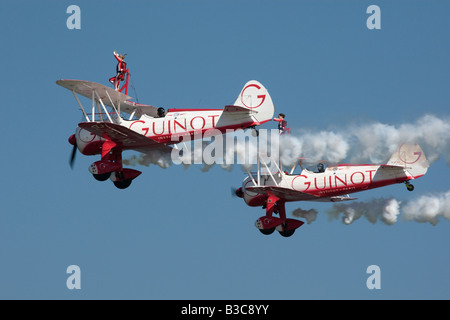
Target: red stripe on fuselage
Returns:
[339, 191]
[187, 110]
[172, 138]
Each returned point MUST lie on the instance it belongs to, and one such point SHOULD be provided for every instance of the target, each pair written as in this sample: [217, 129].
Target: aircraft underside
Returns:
[111, 167]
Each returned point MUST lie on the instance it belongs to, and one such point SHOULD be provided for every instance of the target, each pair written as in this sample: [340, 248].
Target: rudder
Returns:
[412, 158]
[255, 97]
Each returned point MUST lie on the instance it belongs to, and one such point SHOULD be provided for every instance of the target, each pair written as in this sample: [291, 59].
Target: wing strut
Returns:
[104, 108]
[81, 106]
[270, 173]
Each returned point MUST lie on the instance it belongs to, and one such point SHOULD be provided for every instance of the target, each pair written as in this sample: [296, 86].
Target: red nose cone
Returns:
[72, 140]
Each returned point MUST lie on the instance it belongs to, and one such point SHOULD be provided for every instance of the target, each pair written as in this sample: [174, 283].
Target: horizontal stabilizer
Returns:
[237, 109]
[392, 166]
[341, 198]
[335, 199]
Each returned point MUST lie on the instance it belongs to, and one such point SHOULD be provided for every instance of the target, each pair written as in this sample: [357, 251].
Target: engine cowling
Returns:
[87, 143]
[252, 199]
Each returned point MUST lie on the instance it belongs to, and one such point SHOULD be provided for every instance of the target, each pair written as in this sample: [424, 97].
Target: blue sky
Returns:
[177, 233]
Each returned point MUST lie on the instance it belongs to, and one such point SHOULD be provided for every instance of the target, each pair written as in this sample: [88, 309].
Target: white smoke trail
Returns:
[330, 146]
[426, 208]
[385, 210]
[372, 143]
[157, 157]
[369, 143]
[310, 215]
[235, 147]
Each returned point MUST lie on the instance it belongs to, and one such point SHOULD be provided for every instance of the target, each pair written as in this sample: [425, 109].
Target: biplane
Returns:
[271, 190]
[114, 123]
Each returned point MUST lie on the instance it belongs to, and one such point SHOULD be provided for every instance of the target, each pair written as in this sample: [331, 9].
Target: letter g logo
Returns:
[249, 93]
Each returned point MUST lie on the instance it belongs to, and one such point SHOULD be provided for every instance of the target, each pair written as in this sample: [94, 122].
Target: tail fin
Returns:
[412, 158]
[257, 100]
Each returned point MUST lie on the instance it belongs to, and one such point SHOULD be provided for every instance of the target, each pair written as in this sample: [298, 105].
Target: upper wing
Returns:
[123, 137]
[108, 96]
[87, 88]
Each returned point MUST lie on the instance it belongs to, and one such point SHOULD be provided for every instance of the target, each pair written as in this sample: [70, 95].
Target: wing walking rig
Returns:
[113, 123]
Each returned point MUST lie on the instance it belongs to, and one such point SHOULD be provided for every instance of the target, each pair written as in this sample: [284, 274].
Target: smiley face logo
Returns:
[249, 93]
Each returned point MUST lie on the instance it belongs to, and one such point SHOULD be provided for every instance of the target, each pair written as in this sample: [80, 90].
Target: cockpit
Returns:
[301, 165]
[161, 112]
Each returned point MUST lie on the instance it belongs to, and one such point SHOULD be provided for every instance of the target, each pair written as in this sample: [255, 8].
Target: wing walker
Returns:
[114, 123]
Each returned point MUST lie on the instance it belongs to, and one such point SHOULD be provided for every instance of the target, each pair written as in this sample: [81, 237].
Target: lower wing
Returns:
[123, 137]
[293, 195]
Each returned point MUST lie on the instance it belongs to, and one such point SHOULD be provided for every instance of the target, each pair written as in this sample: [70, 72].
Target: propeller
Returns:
[73, 141]
[237, 192]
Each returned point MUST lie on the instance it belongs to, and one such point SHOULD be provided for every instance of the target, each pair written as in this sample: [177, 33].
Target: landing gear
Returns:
[102, 177]
[287, 233]
[110, 167]
[267, 231]
[268, 223]
[123, 184]
[409, 186]
[255, 132]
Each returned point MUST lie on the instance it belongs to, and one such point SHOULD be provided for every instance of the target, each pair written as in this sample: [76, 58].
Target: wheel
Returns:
[267, 231]
[123, 184]
[255, 132]
[410, 187]
[102, 177]
[287, 233]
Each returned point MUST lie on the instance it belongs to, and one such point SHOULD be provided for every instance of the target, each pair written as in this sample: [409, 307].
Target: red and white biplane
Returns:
[271, 190]
[114, 124]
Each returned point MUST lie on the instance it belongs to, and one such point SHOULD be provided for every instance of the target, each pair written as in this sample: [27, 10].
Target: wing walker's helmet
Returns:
[161, 112]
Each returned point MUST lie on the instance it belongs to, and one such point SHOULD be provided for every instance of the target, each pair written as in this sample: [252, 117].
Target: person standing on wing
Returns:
[120, 70]
[281, 123]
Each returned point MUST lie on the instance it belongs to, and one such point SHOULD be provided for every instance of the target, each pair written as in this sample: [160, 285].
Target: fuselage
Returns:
[186, 122]
[334, 181]
[177, 123]
[344, 179]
